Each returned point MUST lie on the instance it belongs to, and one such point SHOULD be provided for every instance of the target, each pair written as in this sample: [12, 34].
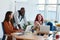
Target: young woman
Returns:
[8, 27]
[38, 21]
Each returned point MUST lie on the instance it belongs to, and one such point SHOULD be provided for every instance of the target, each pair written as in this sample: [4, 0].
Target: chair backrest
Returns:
[3, 31]
[3, 28]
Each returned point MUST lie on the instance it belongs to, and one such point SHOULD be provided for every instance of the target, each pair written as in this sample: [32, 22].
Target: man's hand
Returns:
[19, 26]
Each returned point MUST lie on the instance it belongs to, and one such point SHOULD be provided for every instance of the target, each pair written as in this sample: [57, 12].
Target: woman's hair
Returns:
[7, 15]
[36, 19]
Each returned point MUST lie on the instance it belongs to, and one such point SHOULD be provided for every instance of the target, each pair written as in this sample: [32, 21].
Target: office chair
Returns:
[5, 36]
[52, 28]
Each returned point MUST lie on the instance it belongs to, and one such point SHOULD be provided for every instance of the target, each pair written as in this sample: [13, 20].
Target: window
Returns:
[51, 14]
[41, 1]
[41, 7]
[58, 11]
[52, 1]
[51, 8]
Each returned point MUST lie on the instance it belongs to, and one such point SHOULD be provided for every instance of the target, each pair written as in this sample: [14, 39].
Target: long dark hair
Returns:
[7, 15]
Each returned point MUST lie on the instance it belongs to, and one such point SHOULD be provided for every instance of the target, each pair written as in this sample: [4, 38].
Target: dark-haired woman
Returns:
[8, 27]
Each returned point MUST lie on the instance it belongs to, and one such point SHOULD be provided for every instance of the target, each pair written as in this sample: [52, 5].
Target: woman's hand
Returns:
[37, 30]
[20, 30]
[36, 23]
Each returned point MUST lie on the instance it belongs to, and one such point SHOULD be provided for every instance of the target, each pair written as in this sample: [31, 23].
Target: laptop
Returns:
[44, 29]
[28, 28]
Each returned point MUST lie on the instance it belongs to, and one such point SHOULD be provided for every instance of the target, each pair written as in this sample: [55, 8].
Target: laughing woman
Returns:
[38, 21]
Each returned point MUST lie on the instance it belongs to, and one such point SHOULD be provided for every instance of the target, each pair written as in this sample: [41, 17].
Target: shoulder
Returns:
[36, 22]
[5, 22]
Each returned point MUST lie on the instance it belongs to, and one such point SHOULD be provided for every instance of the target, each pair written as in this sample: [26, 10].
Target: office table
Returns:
[27, 37]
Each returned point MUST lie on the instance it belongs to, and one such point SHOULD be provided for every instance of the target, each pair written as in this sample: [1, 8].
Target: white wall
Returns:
[30, 8]
[4, 7]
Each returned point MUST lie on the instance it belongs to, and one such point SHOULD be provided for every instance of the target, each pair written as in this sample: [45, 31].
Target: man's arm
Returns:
[16, 18]
[17, 21]
[25, 21]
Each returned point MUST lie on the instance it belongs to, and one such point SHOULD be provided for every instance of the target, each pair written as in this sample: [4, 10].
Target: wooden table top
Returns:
[28, 37]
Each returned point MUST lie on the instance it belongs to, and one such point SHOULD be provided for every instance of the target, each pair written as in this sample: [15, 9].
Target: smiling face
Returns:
[39, 18]
[11, 16]
[22, 11]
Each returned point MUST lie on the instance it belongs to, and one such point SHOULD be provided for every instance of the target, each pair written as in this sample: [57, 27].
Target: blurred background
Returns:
[48, 8]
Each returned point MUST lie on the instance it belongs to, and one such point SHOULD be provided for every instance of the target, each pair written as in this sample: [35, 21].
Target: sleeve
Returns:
[25, 21]
[16, 18]
[8, 28]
